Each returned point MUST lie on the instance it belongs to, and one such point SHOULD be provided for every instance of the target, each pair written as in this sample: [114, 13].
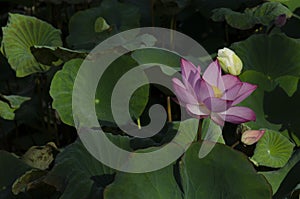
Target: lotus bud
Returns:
[280, 20]
[229, 61]
[250, 137]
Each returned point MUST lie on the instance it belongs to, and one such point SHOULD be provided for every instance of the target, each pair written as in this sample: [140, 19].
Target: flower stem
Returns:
[199, 133]
[139, 123]
[169, 109]
[235, 144]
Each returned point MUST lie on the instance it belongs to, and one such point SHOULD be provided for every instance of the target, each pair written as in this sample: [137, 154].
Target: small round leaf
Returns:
[272, 150]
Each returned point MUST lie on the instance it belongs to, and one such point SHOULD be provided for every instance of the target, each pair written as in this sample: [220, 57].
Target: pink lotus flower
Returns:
[213, 95]
[252, 136]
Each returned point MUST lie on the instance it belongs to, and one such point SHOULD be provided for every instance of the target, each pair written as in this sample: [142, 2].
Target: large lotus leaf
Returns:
[272, 150]
[269, 11]
[289, 187]
[61, 90]
[76, 172]
[151, 185]
[8, 105]
[275, 56]
[21, 33]
[223, 173]
[11, 168]
[264, 14]
[275, 178]
[49, 55]
[235, 19]
[283, 109]
[158, 56]
[188, 128]
[291, 4]
[119, 16]
[110, 77]
[152, 56]
[256, 100]
[62, 86]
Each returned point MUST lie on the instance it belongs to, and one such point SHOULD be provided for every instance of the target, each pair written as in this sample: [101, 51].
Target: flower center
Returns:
[218, 93]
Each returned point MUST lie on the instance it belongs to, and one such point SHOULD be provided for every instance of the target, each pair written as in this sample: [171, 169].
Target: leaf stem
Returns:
[296, 16]
[152, 13]
[235, 144]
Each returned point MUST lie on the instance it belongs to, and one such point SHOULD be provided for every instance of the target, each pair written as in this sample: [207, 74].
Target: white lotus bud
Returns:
[229, 61]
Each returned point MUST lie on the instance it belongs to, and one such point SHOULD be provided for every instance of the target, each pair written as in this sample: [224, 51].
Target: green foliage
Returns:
[264, 14]
[110, 77]
[275, 56]
[119, 16]
[61, 90]
[256, 100]
[8, 105]
[21, 33]
[223, 173]
[275, 178]
[62, 95]
[291, 4]
[55, 55]
[160, 184]
[77, 172]
[156, 56]
[272, 150]
[38, 61]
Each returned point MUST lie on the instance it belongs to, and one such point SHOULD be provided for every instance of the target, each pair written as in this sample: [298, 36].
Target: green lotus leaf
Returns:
[269, 11]
[264, 14]
[110, 77]
[49, 55]
[235, 19]
[62, 87]
[23, 32]
[158, 184]
[61, 90]
[275, 56]
[291, 4]
[77, 173]
[8, 105]
[150, 55]
[223, 173]
[158, 57]
[256, 100]
[272, 150]
[120, 17]
[288, 83]
[275, 178]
